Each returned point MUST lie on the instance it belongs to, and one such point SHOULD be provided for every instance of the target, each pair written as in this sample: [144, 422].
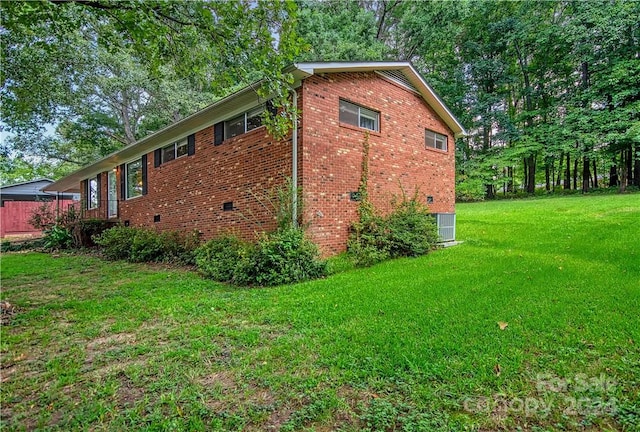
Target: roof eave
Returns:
[191, 124]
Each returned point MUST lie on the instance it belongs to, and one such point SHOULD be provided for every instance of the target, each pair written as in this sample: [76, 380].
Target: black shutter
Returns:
[218, 133]
[123, 183]
[273, 110]
[157, 155]
[144, 174]
[98, 188]
[191, 144]
[84, 185]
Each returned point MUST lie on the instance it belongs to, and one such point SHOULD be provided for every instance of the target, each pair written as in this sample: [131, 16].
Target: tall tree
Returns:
[107, 72]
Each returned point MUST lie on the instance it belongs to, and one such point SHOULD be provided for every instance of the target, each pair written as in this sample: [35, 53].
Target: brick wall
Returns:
[188, 193]
[332, 153]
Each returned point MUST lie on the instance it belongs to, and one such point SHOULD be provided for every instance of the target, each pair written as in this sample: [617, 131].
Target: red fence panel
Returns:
[15, 215]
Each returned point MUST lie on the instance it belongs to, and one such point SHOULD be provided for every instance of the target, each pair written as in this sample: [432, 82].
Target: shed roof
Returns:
[28, 191]
[236, 102]
[31, 187]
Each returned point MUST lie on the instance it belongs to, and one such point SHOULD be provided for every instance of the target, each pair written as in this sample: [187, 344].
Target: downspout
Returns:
[294, 162]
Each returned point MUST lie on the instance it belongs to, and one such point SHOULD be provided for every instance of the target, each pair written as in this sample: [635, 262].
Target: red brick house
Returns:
[208, 171]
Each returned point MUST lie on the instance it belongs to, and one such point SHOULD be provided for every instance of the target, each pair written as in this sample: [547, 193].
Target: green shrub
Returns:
[408, 231]
[22, 245]
[146, 245]
[283, 257]
[367, 245]
[218, 258]
[179, 246]
[116, 243]
[470, 189]
[84, 230]
[57, 237]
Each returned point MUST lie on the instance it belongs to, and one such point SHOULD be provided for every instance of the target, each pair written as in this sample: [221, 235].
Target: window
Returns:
[184, 147]
[234, 127]
[244, 123]
[358, 116]
[134, 179]
[92, 193]
[174, 151]
[435, 140]
[254, 118]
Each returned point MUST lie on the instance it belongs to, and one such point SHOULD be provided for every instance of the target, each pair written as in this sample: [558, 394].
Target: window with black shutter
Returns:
[176, 150]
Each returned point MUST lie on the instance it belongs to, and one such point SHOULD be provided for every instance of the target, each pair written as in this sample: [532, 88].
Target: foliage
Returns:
[136, 244]
[20, 246]
[116, 243]
[43, 216]
[58, 227]
[339, 30]
[283, 257]
[409, 230]
[218, 258]
[104, 74]
[470, 189]
[57, 237]
[83, 230]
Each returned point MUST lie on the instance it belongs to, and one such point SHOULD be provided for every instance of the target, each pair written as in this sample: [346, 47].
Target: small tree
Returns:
[43, 216]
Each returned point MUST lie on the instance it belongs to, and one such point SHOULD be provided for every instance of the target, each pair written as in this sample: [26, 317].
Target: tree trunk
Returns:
[595, 175]
[629, 161]
[510, 179]
[547, 177]
[490, 191]
[613, 176]
[575, 174]
[636, 171]
[559, 173]
[567, 176]
[585, 174]
[623, 171]
[531, 175]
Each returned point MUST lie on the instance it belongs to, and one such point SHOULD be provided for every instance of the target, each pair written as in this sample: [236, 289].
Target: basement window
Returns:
[358, 116]
[435, 140]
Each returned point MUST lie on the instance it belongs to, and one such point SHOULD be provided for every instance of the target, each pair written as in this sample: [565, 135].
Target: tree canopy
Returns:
[105, 73]
[549, 91]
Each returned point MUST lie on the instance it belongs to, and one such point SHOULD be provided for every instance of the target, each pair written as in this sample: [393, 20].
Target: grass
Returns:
[411, 344]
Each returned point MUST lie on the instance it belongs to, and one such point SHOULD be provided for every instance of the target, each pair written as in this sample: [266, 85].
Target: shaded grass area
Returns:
[410, 344]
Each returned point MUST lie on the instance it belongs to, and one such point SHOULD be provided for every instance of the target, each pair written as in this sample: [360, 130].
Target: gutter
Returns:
[294, 161]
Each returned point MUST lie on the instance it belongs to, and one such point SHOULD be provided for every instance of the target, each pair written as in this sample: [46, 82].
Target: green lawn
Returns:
[411, 344]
